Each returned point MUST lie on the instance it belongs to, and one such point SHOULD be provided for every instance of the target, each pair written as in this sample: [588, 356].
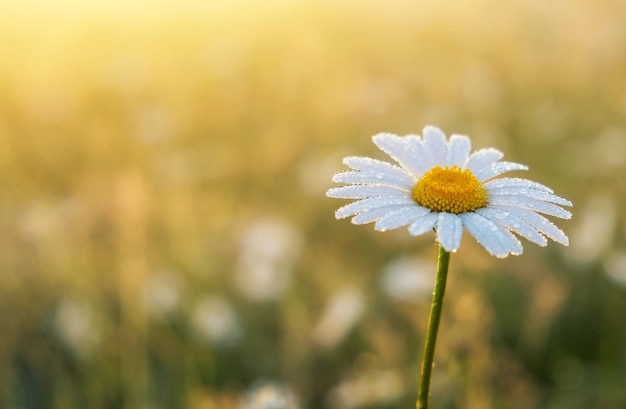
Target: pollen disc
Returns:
[450, 190]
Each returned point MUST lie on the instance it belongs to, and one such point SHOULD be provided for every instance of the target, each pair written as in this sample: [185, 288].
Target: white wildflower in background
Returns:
[594, 232]
[343, 311]
[615, 267]
[270, 395]
[367, 389]
[215, 320]
[441, 186]
[78, 327]
[409, 279]
[162, 294]
[268, 250]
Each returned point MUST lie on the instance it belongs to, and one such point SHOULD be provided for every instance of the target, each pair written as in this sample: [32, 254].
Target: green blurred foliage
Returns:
[166, 242]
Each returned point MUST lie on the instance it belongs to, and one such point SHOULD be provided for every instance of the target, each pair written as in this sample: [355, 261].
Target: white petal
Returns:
[509, 182]
[513, 223]
[528, 192]
[543, 225]
[400, 218]
[365, 191]
[436, 143]
[375, 214]
[422, 161]
[496, 169]
[496, 239]
[366, 164]
[458, 150]
[532, 204]
[449, 231]
[366, 205]
[401, 150]
[400, 180]
[482, 158]
[423, 224]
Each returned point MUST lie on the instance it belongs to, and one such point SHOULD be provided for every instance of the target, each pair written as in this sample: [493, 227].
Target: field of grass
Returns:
[165, 240]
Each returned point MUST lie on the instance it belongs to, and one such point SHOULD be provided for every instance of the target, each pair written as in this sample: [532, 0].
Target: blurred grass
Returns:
[142, 141]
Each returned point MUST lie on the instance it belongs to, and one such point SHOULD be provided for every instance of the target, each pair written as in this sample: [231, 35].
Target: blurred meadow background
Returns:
[166, 241]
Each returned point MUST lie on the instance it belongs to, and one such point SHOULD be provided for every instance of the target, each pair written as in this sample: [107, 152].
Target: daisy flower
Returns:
[439, 185]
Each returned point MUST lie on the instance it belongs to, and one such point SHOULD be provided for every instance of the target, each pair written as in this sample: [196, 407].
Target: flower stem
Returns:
[433, 326]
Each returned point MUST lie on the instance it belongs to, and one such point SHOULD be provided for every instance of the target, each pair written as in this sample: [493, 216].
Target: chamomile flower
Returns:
[439, 185]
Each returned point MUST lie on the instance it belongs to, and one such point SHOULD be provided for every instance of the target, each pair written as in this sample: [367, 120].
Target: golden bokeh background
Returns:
[165, 240]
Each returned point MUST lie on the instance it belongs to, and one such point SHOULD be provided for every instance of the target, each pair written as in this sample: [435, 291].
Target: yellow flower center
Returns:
[450, 190]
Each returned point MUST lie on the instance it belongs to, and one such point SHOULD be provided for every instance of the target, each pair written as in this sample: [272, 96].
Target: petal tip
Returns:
[383, 135]
[431, 128]
[336, 178]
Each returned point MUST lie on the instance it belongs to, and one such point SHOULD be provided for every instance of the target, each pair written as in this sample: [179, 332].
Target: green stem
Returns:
[433, 326]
